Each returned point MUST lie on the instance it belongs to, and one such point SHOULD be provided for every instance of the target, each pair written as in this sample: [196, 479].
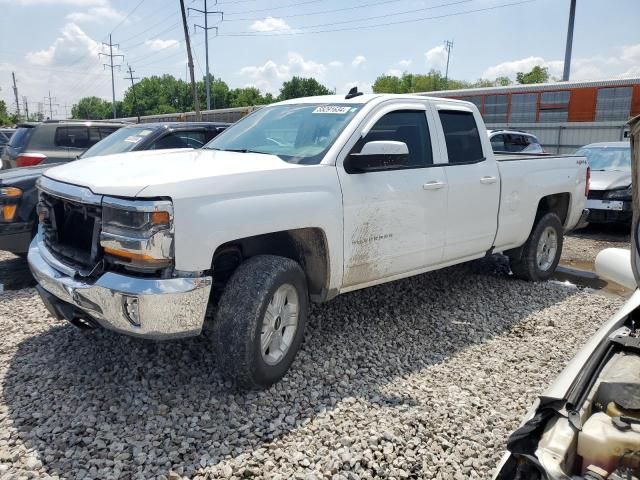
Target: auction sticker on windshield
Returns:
[332, 109]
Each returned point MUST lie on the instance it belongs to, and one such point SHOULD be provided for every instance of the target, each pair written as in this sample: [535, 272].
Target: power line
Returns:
[448, 45]
[386, 15]
[51, 104]
[206, 29]
[15, 92]
[363, 27]
[125, 18]
[321, 12]
[297, 4]
[112, 66]
[133, 91]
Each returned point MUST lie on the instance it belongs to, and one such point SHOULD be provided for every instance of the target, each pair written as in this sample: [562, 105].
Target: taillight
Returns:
[29, 159]
[588, 183]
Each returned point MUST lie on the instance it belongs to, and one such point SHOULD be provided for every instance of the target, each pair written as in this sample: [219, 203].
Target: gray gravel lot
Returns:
[420, 378]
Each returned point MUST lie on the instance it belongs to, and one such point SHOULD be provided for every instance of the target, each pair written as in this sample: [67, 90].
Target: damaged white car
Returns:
[587, 424]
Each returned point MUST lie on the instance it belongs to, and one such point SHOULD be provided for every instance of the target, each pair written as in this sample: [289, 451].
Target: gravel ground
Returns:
[421, 378]
[581, 247]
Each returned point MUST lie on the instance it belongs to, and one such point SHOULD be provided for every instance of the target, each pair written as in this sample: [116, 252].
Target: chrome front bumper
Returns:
[167, 308]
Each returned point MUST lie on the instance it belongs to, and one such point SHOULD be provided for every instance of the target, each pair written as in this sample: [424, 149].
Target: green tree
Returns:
[537, 74]
[219, 93]
[244, 97]
[302, 87]
[4, 114]
[92, 108]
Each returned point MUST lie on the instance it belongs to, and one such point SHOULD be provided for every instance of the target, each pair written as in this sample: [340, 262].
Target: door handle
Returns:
[433, 185]
[488, 180]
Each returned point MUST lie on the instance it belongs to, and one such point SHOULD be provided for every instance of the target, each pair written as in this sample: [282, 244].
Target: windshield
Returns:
[607, 158]
[120, 141]
[297, 133]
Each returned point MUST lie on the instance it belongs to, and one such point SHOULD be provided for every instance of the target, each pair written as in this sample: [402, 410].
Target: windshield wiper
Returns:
[237, 150]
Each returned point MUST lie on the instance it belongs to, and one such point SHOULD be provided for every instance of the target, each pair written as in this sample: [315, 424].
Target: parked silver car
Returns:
[609, 199]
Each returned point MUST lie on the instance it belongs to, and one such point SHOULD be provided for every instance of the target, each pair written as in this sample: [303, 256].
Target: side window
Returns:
[461, 136]
[94, 135]
[171, 140]
[74, 137]
[106, 131]
[408, 126]
[497, 143]
[193, 139]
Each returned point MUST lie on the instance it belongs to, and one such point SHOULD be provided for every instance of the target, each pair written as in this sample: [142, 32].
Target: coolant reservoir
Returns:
[601, 443]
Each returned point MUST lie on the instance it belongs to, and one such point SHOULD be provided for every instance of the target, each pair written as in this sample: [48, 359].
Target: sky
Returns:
[53, 46]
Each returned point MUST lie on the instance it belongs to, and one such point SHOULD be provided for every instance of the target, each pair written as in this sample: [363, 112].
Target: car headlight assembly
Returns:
[620, 194]
[9, 197]
[138, 234]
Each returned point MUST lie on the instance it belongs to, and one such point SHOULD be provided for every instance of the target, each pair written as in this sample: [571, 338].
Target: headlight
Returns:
[8, 198]
[621, 194]
[138, 234]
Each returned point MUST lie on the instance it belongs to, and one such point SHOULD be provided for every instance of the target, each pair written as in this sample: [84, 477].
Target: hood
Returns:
[7, 177]
[127, 174]
[609, 180]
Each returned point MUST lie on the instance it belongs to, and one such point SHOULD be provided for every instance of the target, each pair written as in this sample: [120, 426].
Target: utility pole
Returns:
[15, 92]
[66, 110]
[448, 45]
[567, 51]
[112, 66]
[206, 29]
[196, 100]
[51, 104]
[26, 106]
[133, 90]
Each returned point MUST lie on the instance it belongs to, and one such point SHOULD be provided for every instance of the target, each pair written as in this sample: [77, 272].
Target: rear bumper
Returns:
[166, 308]
[15, 236]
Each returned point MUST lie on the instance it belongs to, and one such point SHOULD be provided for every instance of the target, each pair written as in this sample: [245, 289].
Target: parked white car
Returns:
[303, 199]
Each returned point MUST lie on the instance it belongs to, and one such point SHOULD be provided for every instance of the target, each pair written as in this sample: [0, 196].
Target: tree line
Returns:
[167, 94]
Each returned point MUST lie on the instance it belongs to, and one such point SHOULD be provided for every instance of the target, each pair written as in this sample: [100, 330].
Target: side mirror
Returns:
[378, 155]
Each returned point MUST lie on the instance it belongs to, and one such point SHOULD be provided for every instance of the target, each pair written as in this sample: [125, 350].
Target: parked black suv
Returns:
[54, 141]
[18, 194]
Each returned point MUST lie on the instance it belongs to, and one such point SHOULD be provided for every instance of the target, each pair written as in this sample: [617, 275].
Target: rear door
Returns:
[74, 139]
[474, 184]
[393, 219]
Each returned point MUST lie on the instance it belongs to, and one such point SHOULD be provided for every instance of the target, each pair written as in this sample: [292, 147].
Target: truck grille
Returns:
[596, 194]
[71, 231]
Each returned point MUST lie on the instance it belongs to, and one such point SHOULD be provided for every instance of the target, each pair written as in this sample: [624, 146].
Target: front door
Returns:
[394, 219]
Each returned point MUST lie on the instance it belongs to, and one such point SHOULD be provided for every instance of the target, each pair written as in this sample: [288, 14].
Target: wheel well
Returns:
[557, 203]
[307, 246]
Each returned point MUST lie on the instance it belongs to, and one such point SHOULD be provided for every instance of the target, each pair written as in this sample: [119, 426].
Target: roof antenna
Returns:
[353, 93]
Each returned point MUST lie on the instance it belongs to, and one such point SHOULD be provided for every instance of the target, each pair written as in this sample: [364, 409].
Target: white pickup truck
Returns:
[301, 200]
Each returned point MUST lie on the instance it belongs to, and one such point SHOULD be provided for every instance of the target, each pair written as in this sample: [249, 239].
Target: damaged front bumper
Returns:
[149, 308]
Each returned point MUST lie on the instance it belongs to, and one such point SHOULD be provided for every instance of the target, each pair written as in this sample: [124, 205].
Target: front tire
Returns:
[260, 321]
[541, 252]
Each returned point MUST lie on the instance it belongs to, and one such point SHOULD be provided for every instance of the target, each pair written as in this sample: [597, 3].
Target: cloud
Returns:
[359, 60]
[73, 44]
[624, 63]
[394, 72]
[96, 14]
[270, 75]
[159, 44]
[405, 63]
[335, 64]
[270, 24]
[437, 57]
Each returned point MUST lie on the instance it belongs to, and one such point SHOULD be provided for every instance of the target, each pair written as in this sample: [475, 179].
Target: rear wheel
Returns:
[541, 252]
[260, 320]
